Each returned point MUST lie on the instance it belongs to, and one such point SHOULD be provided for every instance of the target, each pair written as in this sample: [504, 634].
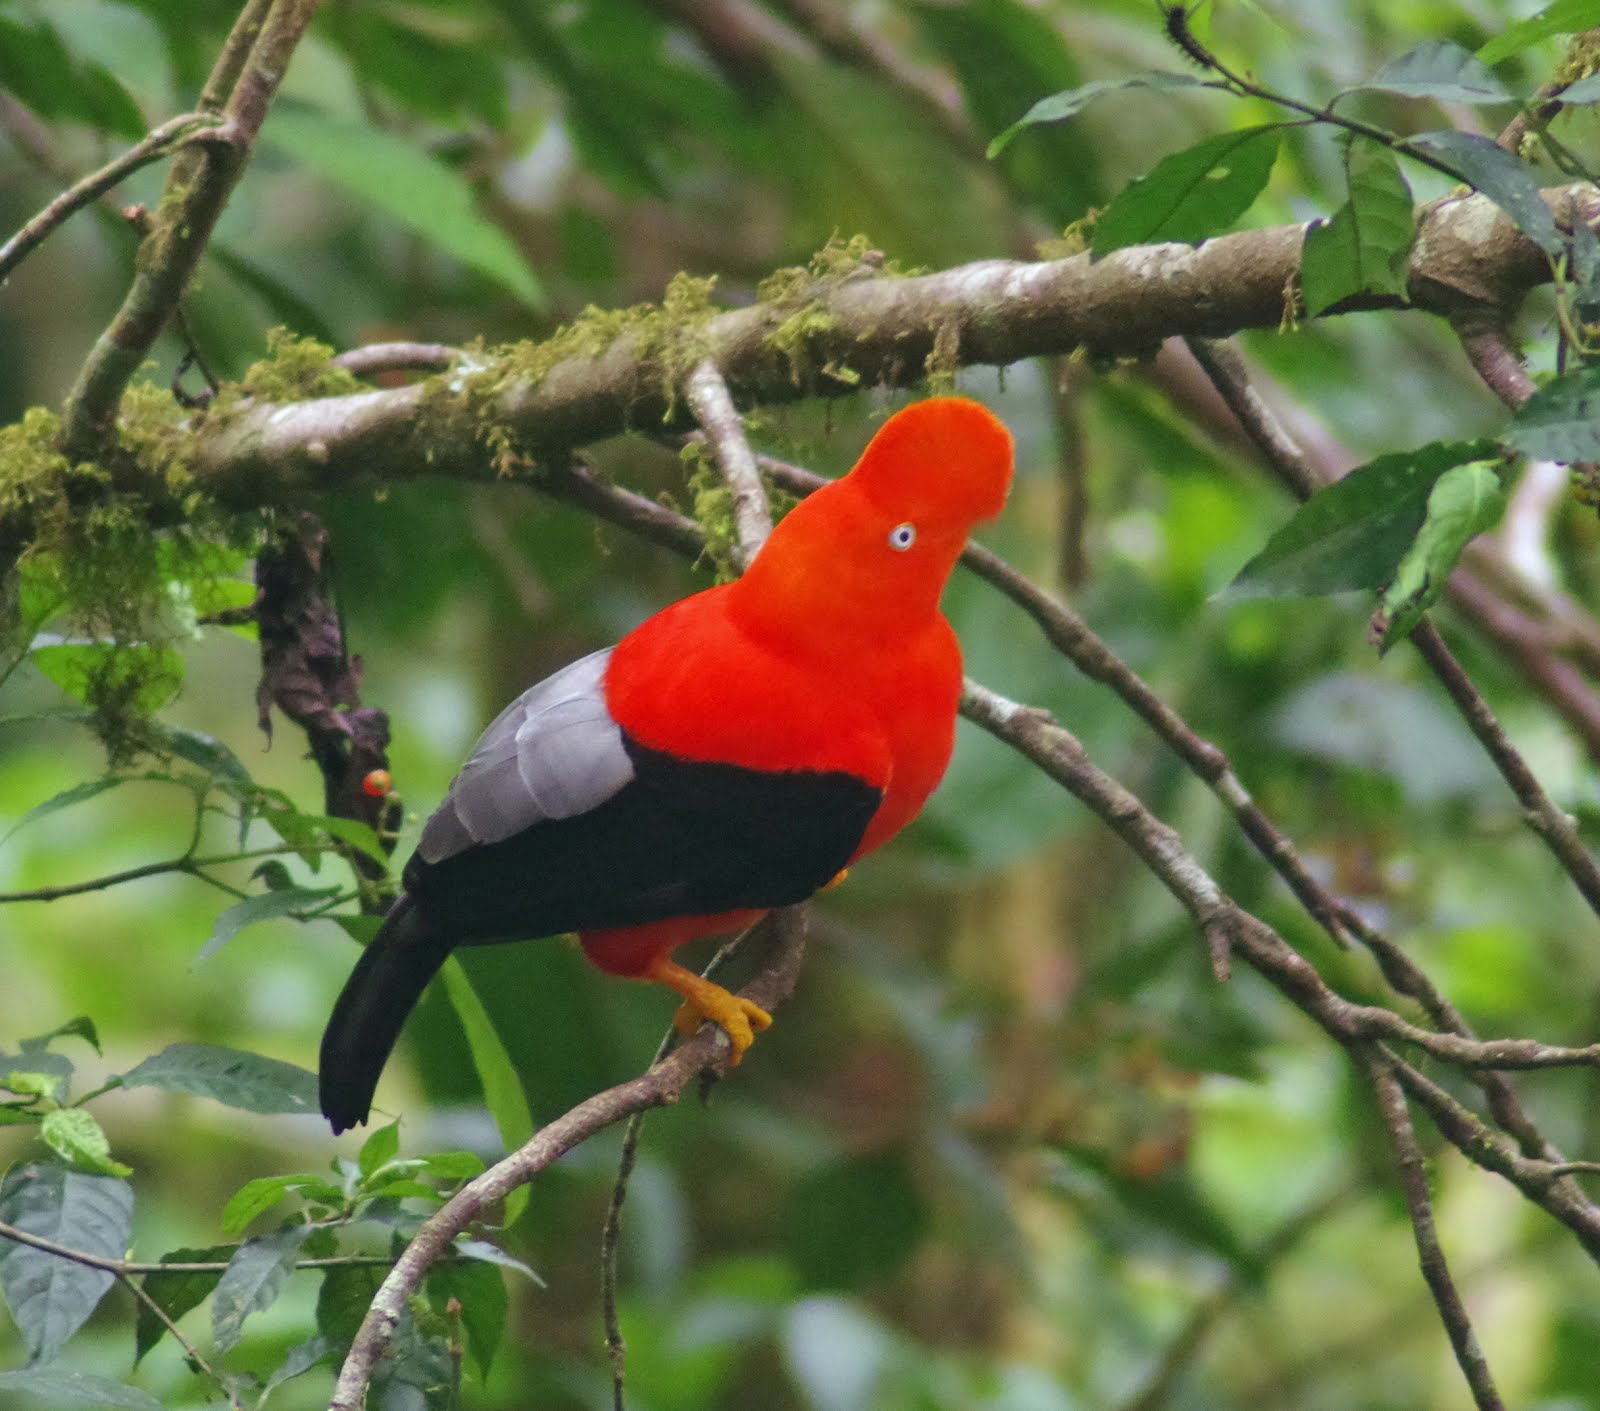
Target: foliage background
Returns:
[1010, 1138]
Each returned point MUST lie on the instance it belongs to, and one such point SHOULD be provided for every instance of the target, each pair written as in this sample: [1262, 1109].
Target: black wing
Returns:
[679, 838]
[560, 822]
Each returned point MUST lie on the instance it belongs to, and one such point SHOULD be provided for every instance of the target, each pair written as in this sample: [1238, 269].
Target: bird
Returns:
[736, 752]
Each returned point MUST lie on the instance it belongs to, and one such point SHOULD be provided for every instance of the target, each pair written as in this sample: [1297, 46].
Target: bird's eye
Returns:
[903, 536]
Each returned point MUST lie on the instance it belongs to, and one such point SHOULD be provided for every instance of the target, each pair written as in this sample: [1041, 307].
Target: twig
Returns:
[1488, 348]
[611, 1230]
[707, 395]
[1077, 641]
[197, 190]
[133, 1268]
[374, 358]
[660, 1085]
[149, 149]
[1435, 1268]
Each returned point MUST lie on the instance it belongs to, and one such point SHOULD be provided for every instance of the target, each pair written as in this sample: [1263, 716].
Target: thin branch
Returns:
[374, 358]
[707, 395]
[1430, 1254]
[133, 1268]
[197, 191]
[662, 1084]
[151, 148]
[1557, 829]
[191, 866]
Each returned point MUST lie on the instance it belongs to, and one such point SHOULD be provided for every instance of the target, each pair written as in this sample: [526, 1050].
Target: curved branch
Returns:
[662, 1084]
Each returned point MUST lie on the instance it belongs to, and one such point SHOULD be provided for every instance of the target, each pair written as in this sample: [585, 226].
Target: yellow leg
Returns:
[739, 1019]
[837, 878]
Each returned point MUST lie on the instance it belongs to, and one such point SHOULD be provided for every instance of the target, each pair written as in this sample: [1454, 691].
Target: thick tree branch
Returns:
[882, 329]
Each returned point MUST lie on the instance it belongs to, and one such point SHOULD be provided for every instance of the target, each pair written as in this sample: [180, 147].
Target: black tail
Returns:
[382, 990]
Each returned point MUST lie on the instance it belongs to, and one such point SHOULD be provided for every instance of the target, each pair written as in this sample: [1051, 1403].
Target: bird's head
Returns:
[876, 546]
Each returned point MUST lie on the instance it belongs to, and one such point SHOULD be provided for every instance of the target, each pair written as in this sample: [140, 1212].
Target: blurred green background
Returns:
[1010, 1146]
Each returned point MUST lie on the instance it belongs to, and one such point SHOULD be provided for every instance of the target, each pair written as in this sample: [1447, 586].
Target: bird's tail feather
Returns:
[382, 990]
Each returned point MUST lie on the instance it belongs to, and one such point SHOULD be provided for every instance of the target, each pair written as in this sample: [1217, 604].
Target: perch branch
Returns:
[662, 1084]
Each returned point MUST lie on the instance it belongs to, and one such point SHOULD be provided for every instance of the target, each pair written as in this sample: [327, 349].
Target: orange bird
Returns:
[732, 754]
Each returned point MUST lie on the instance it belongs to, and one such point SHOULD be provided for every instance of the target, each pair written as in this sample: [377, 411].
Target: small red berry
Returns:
[377, 784]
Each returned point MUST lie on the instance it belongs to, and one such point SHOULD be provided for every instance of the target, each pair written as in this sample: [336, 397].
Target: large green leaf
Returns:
[503, 1093]
[1193, 194]
[1561, 421]
[1351, 534]
[1060, 106]
[50, 1297]
[176, 1292]
[1366, 246]
[244, 1080]
[1440, 69]
[480, 1289]
[1563, 17]
[1486, 166]
[409, 185]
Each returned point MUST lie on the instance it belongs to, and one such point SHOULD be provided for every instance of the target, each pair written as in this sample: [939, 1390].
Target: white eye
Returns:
[903, 536]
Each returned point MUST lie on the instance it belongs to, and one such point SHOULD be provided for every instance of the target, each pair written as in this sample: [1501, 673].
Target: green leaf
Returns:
[409, 185]
[1366, 247]
[36, 1074]
[57, 1388]
[80, 1027]
[254, 1278]
[452, 1167]
[248, 1081]
[1060, 106]
[343, 1298]
[1352, 533]
[299, 1359]
[50, 1297]
[481, 1291]
[176, 1292]
[380, 1148]
[78, 793]
[261, 1194]
[854, 1222]
[140, 677]
[361, 836]
[265, 906]
[1441, 69]
[1193, 194]
[74, 1135]
[1488, 168]
[1464, 502]
[503, 1092]
[1561, 421]
[1563, 17]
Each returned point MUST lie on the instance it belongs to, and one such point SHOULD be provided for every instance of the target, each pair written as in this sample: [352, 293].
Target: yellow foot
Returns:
[740, 1019]
[838, 877]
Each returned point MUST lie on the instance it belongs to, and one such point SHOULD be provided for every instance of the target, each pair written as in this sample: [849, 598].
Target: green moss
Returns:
[797, 298]
[296, 369]
[712, 509]
[114, 551]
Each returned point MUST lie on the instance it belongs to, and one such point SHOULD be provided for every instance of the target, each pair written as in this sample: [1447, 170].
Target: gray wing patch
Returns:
[554, 752]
